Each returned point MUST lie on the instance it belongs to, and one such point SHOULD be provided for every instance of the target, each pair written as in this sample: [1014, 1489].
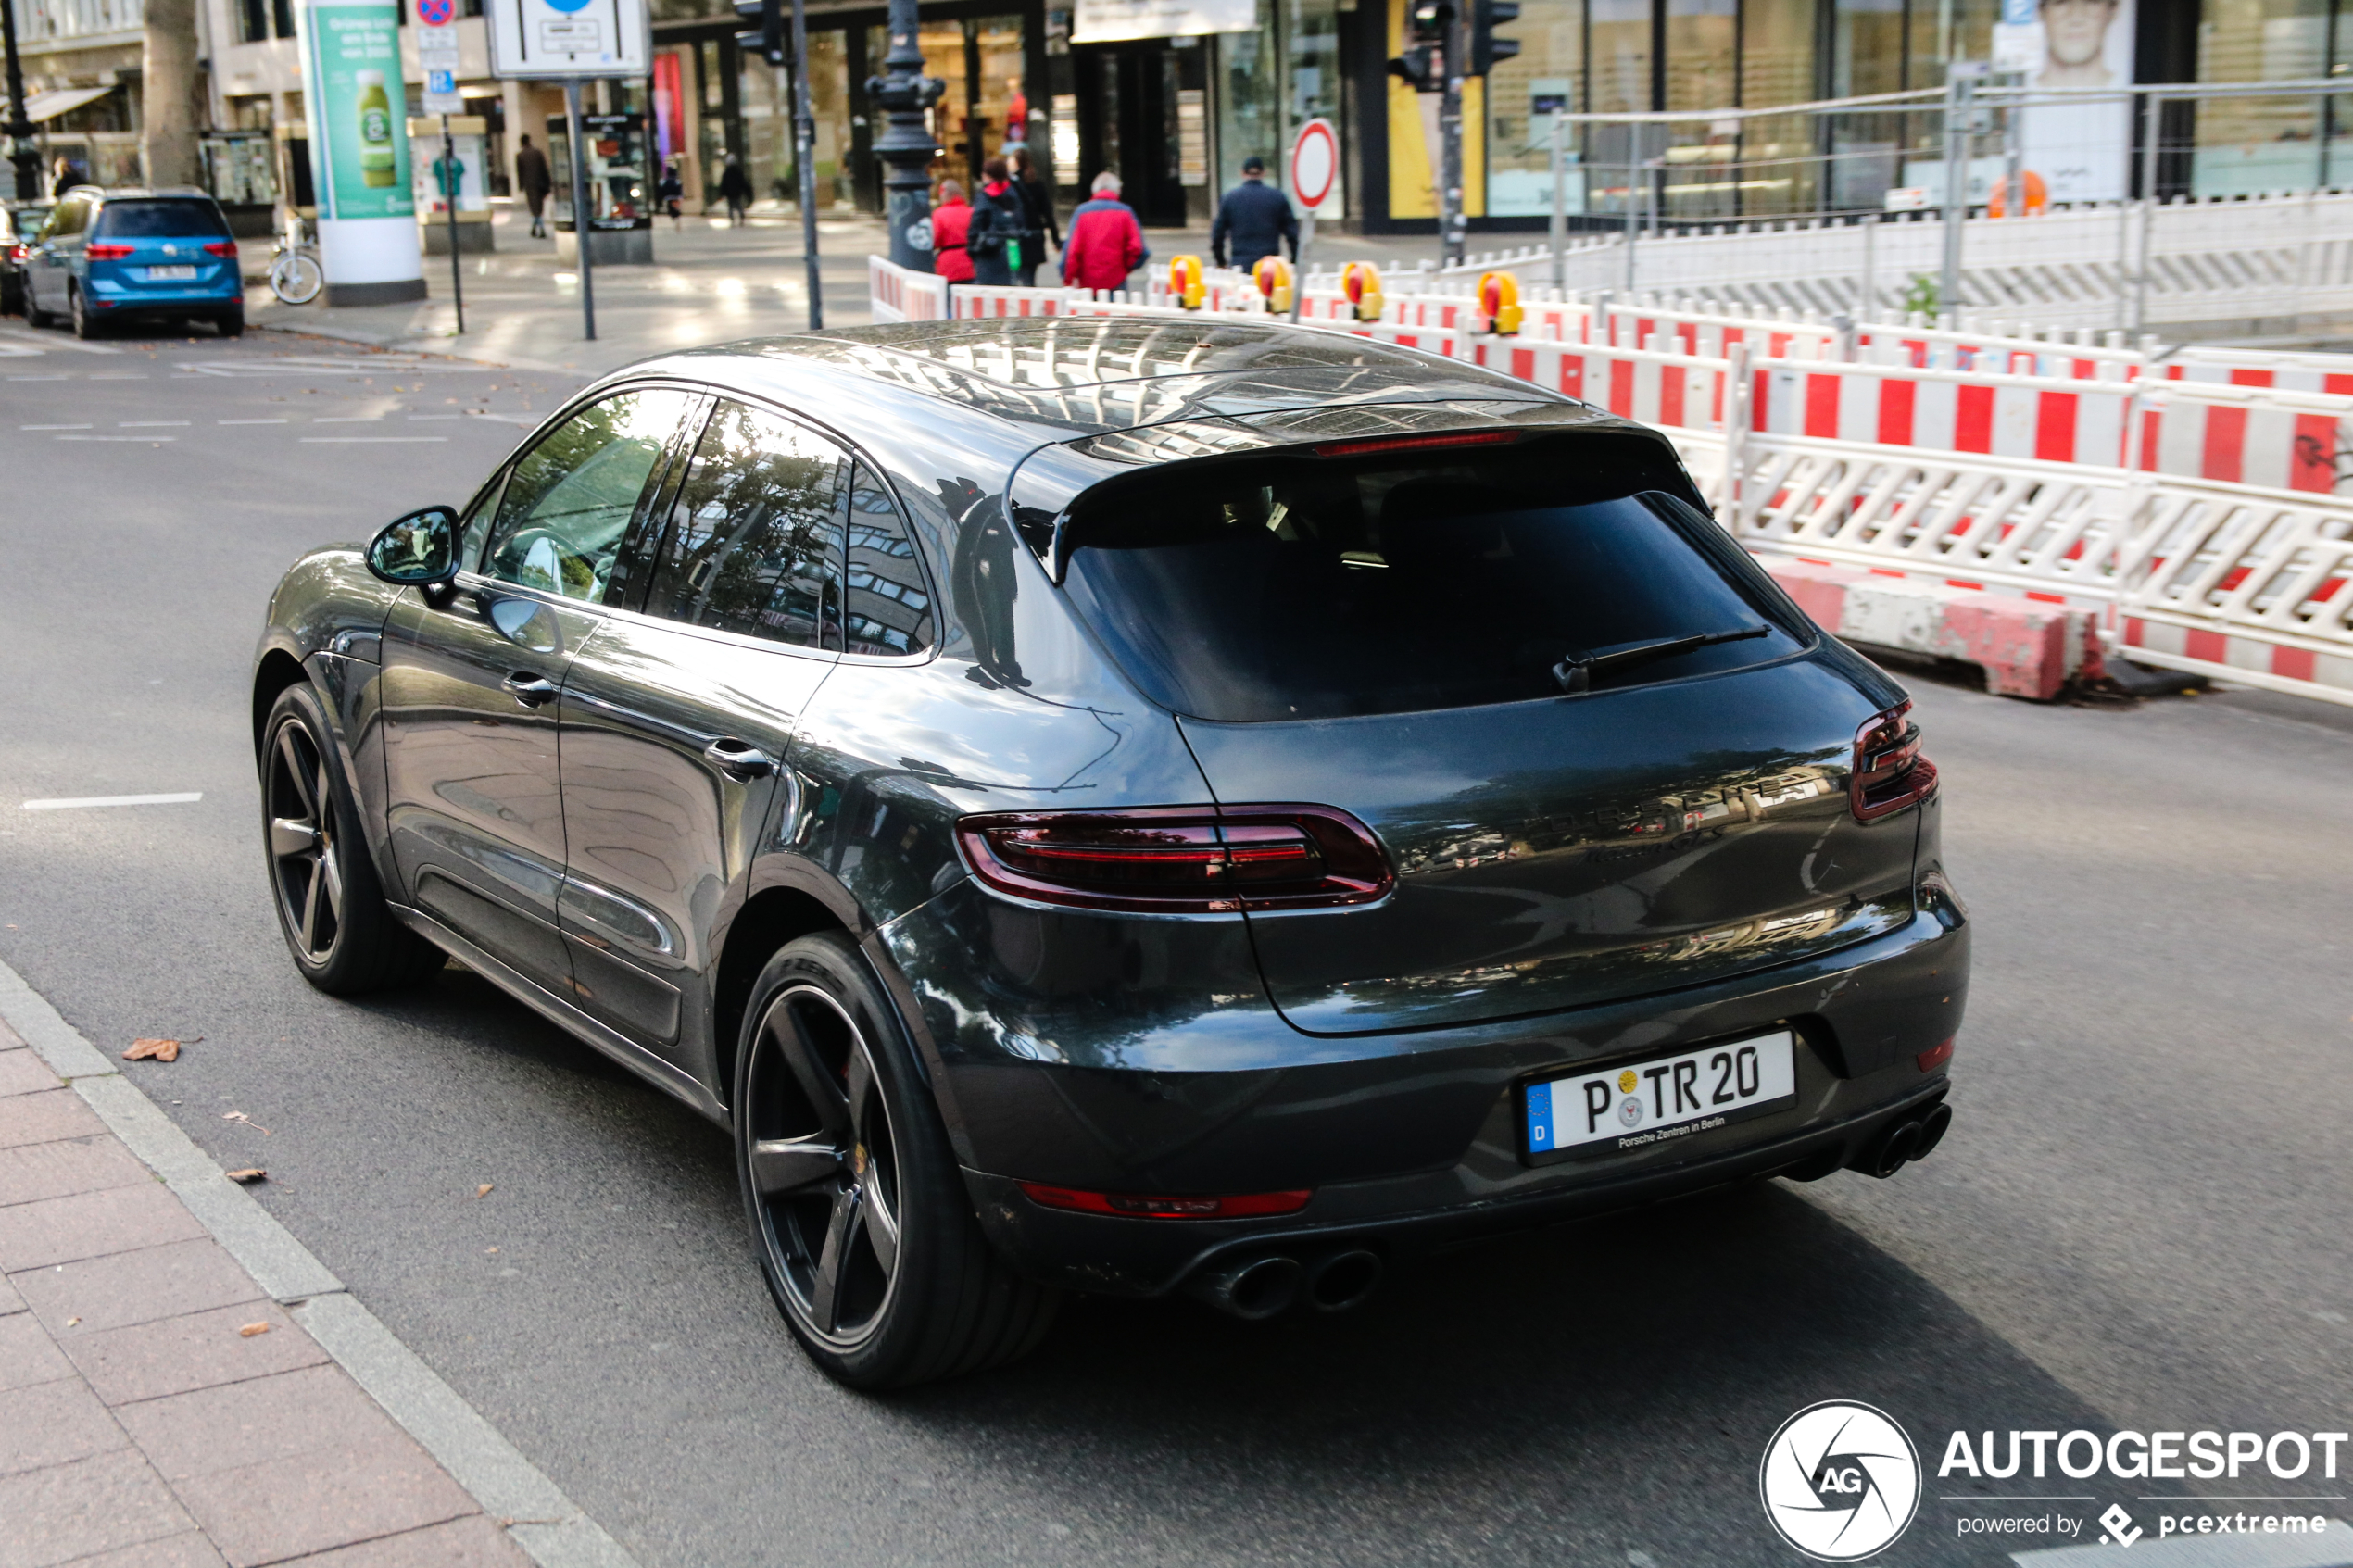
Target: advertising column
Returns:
[358, 157]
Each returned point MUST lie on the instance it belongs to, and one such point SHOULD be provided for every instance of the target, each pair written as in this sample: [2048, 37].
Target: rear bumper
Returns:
[126, 298]
[1146, 1258]
[1072, 1079]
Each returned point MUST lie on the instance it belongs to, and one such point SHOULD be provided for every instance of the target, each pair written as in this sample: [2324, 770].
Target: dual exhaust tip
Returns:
[1905, 1141]
[1260, 1286]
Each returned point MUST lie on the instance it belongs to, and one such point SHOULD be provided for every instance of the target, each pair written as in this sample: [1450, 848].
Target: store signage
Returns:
[351, 75]
[550, 40]
[1110, 22]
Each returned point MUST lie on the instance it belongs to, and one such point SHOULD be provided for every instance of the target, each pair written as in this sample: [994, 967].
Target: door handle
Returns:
[738, 759]
[529, 689]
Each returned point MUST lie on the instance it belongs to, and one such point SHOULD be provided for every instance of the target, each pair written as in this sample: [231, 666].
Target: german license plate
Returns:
[170, 274]
[1644, 1103]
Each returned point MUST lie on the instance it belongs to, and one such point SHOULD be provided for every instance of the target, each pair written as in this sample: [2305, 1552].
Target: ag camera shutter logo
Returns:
[1840, 1481]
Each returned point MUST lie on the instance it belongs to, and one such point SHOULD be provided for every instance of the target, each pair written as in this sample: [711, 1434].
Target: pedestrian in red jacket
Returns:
[951, 224]
[1105, 241]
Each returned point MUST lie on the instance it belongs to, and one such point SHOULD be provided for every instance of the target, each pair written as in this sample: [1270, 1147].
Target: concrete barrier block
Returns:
[2026, 647]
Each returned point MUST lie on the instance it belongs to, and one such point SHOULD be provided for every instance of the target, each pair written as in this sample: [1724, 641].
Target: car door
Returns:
[52, 258]
[675, 720]
[472, 790]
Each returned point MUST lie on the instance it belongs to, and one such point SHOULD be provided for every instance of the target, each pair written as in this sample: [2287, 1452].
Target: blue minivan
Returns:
[107, 256]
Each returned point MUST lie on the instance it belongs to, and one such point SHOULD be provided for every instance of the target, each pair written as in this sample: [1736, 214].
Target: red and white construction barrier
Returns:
[2026, 649]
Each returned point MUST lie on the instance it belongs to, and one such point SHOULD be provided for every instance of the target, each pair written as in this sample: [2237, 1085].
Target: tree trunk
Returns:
[168, 95]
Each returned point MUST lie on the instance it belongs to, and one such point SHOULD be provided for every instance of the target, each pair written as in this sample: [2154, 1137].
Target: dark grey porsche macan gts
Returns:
[1125, 806]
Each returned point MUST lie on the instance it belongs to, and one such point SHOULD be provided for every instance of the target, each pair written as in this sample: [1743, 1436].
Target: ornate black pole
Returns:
[906, 147]
[19, 130]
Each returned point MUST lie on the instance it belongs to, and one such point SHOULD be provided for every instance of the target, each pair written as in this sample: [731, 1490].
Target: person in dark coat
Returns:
[998, 221]
[672, 193]
[1037, 214]
[1255, 219]
[734, 189]
[533, 179]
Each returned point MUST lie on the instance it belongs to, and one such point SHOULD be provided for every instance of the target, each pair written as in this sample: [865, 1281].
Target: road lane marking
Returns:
[147, 424]
[114, 438]
[355, 440]
[418, 419]
[248, 422]
[348, 419]
[77, 802]
[41, 378]
[54, 427]
[118, 375]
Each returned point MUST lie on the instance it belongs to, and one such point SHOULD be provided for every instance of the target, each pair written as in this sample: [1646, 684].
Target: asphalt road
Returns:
[2138, 1220]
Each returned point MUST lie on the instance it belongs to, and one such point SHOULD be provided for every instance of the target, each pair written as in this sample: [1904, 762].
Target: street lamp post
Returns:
[19, 130]
[906, 146]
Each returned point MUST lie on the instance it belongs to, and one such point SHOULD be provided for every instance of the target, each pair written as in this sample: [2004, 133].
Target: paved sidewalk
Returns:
[709, 283]
[159, 1408]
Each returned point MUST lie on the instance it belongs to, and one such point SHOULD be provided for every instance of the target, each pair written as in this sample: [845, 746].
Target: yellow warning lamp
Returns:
[1272, 274]
[1360, 281]
[1185, 281]
[1498, 303]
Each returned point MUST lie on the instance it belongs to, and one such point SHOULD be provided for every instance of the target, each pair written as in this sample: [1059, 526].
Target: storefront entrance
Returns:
[1143, 114]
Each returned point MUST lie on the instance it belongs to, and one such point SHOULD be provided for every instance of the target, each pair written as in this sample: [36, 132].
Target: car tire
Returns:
[85, 325]
[229, 323]
[332, 910]
[34, 315]
[865, 1233]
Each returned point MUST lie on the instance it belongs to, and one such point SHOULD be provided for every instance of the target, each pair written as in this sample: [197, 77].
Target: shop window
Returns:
[1249, 106]
[1522, 94]
[2249, 146]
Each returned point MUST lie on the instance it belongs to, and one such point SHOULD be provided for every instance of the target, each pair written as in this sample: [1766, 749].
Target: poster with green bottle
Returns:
[358, 108]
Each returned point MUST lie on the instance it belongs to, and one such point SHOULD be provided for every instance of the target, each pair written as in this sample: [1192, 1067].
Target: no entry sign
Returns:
[1314, 164]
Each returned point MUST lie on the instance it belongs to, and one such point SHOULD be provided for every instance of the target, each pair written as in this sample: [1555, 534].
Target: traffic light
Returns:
[1485, 47]
[767, 39]
[1423, 65]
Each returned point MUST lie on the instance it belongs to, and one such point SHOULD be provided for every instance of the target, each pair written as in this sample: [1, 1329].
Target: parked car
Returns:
[19, 221]
[1125, 806]
[105, 256]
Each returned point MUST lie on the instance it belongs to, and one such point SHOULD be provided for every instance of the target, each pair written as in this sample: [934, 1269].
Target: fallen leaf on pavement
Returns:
[248, 1176]
[251, 1329]
[71, 1322]
[159, 1050]
[484, 1190]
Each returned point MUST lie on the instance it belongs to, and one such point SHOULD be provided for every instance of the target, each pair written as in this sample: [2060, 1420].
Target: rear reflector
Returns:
[1934, 1056]
[1179, 859]
[1414, 443]
[225, 249]
[1889, 771]
[97, 251]
[1134, 1206]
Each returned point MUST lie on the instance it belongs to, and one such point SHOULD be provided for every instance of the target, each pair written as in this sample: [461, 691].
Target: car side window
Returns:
[754, 542]
[886, 604]
[66, 220]
[568, 502]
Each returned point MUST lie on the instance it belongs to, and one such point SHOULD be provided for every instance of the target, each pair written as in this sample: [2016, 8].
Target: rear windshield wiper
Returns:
[1575, 673]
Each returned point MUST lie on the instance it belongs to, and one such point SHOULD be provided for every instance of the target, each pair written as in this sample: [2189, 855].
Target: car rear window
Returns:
[161, 221]
[1298, 587]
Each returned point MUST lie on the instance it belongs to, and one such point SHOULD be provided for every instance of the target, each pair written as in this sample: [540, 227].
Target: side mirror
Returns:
[419, 550]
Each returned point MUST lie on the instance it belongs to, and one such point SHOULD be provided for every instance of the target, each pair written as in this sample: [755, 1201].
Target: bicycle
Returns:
[295, 276]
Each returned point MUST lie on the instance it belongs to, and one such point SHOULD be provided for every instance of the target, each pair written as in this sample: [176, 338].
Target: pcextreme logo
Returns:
[1840, 1481]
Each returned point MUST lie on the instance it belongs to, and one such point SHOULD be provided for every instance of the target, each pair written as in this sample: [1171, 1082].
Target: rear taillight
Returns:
[225, 249]
[1414, 443]
[20, 254]
[99, 251]
[1179, 859]
[1890, 773]
[1137, 1205]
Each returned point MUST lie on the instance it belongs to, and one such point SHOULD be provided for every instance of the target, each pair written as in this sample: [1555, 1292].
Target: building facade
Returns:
[1175, 94]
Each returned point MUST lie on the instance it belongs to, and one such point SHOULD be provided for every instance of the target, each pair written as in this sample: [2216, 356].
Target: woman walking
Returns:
[1037, 214]
[734, 189]
[997, 223]
[950, 229]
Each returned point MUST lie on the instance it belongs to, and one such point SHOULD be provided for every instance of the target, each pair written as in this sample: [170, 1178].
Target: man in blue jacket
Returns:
[1254, 218]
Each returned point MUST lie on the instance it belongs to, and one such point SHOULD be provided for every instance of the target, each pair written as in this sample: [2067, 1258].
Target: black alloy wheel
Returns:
[332, 910]
[85, 325]
[865, 1233]
[823, 1167]
[304, 859]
